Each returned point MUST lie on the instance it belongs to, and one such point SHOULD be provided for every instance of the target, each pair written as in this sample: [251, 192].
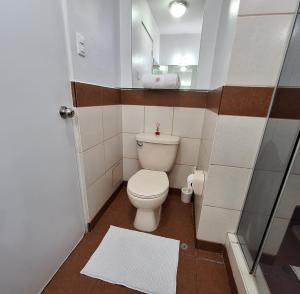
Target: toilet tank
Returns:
[157, 152]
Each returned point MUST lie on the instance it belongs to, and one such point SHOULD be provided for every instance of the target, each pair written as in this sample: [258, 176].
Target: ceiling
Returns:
[190, 23]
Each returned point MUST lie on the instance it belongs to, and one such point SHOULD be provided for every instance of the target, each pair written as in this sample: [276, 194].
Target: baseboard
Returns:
[94, 221]
[210, 246]
[175, 191]
[232, 283]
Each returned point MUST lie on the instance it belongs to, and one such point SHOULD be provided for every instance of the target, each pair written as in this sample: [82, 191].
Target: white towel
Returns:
[163, 81]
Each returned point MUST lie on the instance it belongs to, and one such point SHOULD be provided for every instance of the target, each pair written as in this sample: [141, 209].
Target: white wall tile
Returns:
[130, 167]
[94, 165]
[111, 121]
[237, 140]
[117, 174]
[209, 124]
[133, 117]
[90, 126]
[267, 6]
[113, 151]
[119, 118]
[98, 194]
[188, 151]
[216, 222]
[226, 187]
[161, 115]
[179, 174]
[258, 49]
[129, 145]
[204, 154]
[188, 122]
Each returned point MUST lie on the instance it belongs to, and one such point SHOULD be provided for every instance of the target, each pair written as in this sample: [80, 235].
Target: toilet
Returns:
[148, 188]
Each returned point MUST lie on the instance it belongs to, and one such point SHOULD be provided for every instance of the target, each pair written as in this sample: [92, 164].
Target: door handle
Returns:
[66, 112]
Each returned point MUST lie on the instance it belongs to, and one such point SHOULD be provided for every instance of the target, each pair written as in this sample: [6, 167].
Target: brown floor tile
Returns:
[186, 275]
[198, 271]
[210, 256]
[70, 284]
[211, 278]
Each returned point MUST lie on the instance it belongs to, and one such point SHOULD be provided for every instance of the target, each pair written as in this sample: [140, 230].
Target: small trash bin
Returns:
[186, 194]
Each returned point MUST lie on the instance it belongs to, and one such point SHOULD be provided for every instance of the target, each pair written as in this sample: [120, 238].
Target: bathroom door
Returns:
[41, 214]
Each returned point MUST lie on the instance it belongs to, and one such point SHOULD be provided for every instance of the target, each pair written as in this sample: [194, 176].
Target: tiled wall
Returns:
[263, 29]
[100, 148]
[181, 121]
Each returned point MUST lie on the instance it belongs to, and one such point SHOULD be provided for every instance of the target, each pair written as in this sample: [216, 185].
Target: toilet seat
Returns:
[148, 184]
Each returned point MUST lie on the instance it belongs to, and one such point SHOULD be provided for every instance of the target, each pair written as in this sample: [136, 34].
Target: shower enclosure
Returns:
[269, 229]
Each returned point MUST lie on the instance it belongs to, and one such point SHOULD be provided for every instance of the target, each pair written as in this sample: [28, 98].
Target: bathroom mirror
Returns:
[166, 37]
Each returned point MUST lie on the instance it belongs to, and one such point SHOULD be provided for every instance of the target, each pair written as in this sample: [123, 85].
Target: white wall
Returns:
[98, 21]
[224, 43]
[212, 12]
[216, 42]
[125, 43]
[179, 49]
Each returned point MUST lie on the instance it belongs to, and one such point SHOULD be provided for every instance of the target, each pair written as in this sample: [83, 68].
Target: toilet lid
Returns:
[148, 184]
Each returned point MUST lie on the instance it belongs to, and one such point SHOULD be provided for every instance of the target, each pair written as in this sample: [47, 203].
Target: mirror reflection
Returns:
[166, 43]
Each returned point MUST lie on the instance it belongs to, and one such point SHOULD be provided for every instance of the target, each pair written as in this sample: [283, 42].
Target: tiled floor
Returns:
[198, 271]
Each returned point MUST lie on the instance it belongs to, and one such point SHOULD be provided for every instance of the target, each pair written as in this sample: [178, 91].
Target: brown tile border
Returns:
[94, 221]
[172, 98]
[111, 96]
[286, 103]
[227, 100]
[214, 99]
[87, 95]
[245, 101]
[232, 282]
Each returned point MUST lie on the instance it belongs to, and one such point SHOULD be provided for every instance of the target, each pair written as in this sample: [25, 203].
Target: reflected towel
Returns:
[164, 81]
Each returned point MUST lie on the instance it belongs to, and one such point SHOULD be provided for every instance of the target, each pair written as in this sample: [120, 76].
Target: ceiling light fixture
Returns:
[178, 8]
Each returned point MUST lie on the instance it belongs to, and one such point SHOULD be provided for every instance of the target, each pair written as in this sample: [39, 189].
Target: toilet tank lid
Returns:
[161, 139]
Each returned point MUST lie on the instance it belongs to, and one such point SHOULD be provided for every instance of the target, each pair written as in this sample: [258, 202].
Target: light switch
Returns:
[80, 44]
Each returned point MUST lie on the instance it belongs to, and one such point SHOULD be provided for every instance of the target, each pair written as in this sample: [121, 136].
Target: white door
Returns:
[41, 214]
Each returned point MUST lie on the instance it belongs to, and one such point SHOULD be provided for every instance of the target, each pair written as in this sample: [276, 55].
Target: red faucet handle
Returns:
[157, 133]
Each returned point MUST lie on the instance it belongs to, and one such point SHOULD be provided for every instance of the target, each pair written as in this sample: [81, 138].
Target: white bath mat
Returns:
[139, 261]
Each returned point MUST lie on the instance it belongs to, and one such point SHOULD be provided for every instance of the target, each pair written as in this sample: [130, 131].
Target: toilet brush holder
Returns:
[186, 194]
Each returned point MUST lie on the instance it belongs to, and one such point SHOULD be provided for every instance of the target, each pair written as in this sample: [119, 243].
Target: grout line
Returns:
[181, 137]
[232, 209]
[232, 166]
[210, 260]
[91, 147]
[112, 137]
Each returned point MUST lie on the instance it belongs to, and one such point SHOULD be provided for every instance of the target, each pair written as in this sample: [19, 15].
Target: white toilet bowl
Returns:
[147, 190]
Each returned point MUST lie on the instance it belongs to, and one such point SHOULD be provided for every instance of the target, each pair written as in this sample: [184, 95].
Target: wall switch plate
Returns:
[80, 44]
